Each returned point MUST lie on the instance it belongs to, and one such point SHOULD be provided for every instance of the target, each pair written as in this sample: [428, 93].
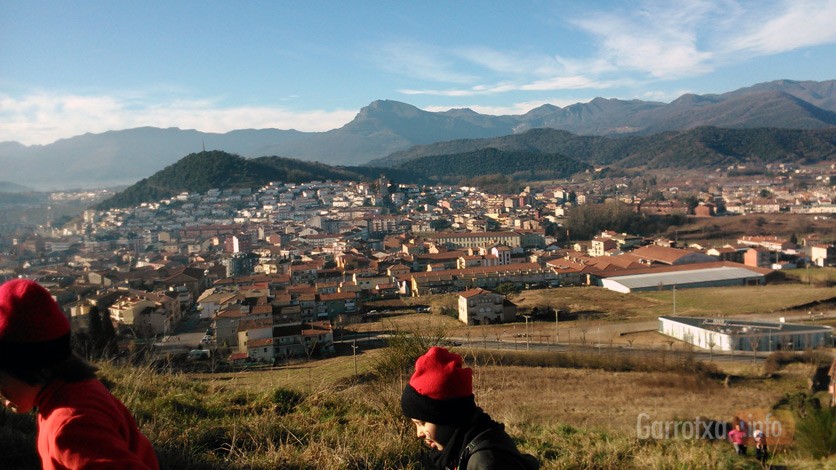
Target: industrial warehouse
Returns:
[718, 274]
[744, 335]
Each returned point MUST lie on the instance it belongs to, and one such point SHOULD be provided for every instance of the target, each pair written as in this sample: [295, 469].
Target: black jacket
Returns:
[483, 445]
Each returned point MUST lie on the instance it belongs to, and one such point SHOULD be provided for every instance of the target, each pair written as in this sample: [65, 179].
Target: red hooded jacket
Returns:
[81, 425]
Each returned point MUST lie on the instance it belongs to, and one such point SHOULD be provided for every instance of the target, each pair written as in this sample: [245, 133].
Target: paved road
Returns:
[606, 348]
[186, 336]
[590, 348]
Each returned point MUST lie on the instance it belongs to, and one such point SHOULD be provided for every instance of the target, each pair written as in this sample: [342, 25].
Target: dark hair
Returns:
[71, 369]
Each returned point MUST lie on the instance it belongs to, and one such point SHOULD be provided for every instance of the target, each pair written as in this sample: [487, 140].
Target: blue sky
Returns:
[67, 68]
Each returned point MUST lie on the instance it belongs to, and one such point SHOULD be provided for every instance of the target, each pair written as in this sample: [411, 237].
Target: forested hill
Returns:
[200, 172]
[704, 147]
[535, 155]
[490, 161]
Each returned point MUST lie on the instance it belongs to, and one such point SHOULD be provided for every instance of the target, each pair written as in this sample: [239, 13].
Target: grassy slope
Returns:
[320, 415]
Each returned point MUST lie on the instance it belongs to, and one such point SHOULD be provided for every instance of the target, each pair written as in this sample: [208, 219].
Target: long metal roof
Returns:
[683, 278]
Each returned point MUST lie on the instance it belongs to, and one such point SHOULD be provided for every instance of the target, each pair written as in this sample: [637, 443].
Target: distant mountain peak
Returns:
[460, 112]
[384, 127]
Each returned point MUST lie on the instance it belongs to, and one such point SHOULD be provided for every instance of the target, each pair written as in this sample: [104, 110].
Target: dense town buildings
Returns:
[275, 268]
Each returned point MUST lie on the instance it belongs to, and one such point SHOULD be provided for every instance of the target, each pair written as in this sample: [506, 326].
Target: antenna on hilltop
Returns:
[204, 145]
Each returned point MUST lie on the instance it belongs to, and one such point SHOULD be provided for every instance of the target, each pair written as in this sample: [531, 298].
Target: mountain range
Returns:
[385, 127]
[499, 164]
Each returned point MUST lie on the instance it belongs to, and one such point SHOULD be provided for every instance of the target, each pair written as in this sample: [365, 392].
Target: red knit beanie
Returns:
[34, 332]
[441, 390]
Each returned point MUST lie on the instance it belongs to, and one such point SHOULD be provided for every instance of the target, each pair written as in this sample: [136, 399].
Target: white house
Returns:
[479, 306]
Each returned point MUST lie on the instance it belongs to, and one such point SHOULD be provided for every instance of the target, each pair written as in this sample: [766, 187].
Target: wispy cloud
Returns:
[43, 118]
[420, 61]
[551, 84]
[787, 26]
[642, 42]
[660, 39]
[672, 39]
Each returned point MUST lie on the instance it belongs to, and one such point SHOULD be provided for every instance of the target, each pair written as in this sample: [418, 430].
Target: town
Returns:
[272, 271]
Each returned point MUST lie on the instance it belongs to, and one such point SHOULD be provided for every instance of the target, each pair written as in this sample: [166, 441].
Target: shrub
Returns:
[780, 359]
[815, 433]
[285, 400]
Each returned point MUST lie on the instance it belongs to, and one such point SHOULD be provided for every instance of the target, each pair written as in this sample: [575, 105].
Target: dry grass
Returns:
[610, 401]
[320, 415]
[720, 301]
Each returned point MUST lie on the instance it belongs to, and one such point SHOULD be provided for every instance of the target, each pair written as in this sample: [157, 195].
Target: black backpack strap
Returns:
[483, 441]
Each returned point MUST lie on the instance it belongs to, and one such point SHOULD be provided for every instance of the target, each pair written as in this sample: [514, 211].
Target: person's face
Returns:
[435, 436]
[16, 394]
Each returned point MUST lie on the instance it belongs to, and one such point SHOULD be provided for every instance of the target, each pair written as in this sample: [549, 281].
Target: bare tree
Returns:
[754, 341]
[711, 344]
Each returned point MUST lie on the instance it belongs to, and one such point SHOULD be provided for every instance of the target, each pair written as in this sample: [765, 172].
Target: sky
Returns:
[73, 67]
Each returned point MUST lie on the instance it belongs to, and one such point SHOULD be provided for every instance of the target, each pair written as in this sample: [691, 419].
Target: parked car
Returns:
[196, 354]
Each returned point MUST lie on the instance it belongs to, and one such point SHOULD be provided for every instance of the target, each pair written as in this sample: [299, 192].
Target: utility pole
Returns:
[556, 328]
[527, 336]
[354, 348]
[674, 300]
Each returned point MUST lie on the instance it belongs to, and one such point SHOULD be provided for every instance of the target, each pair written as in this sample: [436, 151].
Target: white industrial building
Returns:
[745, 335]
[720, 274]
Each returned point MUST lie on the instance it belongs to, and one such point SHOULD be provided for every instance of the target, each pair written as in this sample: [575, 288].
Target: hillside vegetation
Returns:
[702, 147]
[580, 417]
[452, 169]
[498, 163]
[199, 172]
[322, 414]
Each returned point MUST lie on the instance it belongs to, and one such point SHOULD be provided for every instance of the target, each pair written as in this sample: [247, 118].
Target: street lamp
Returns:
[527, 337]
[556, 327]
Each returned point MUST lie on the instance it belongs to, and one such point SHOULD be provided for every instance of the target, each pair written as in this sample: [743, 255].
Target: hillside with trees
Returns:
[704, 147]
[488, 161]
[200, 172]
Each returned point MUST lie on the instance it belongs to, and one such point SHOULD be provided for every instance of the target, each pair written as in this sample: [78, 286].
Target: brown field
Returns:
[605, 316]
[727, 229]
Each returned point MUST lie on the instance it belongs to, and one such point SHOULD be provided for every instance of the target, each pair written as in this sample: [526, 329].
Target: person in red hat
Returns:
[80, 424]
[439, 400]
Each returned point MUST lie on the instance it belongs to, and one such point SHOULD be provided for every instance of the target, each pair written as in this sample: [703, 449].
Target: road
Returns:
[186, 336]
[605, 348]
[590, 348]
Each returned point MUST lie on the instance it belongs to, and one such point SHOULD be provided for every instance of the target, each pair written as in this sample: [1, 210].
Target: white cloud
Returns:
[512, 64]
[673, 39]
[787, 26]
[549, 84]
[659, 39]
[419, 61]
[43, 118]
[563, 83]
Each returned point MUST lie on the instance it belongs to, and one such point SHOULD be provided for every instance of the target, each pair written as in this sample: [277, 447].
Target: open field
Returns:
[727, 229]
[604, 316]
[815, 276]
[718, 301]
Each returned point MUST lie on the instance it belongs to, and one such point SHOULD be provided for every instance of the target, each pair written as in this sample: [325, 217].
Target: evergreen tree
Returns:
[109, 335]
[96, 333]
